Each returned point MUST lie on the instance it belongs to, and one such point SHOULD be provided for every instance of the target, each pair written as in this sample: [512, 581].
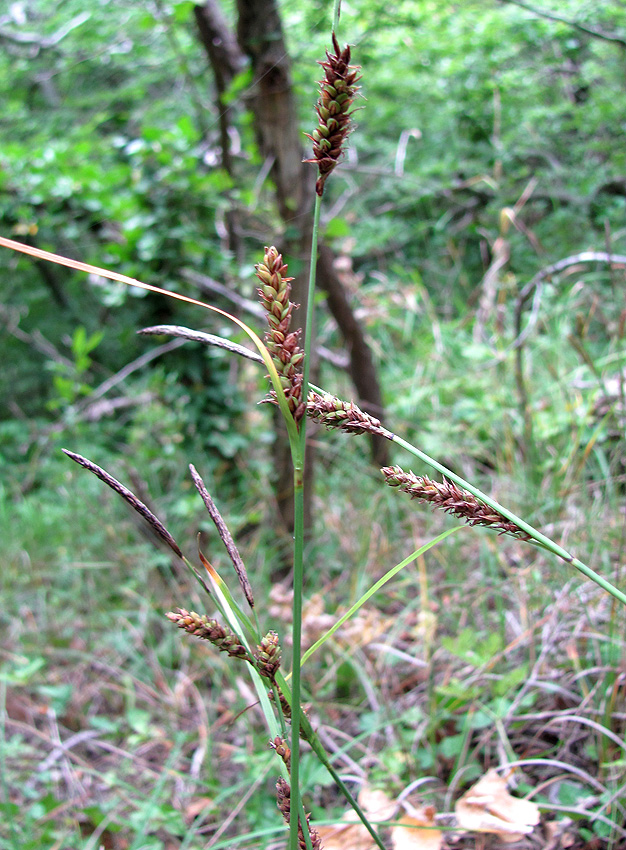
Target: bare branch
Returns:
[11, 318]
[41, 41]
[604, 36]
[536, 284]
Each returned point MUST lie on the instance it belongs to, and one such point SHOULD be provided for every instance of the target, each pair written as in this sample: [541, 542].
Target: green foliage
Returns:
[110, 153]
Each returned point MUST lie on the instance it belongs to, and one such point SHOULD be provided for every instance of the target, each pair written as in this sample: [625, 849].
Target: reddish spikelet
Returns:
[335, 413]
[283, 346]
[451, 499]
[282, 748]
[209, 629]
[283, 795]
[268, 656]
[337, 91]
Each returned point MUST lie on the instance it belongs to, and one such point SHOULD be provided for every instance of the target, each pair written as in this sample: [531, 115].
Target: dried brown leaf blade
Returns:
[376, 804]
[488, 807]
[416, 833]
[348, 836]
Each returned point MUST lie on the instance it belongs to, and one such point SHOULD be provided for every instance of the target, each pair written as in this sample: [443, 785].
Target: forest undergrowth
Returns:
[484, 661]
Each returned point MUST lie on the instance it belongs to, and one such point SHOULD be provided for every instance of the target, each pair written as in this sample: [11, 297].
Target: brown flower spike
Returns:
[283, 797]
[268, 656]
[451, 499]
[209, 629]
[337, 91]
[282, 345]
[332, 412]
[282, 748]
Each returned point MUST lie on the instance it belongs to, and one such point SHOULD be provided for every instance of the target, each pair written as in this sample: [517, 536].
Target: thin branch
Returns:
[36, 340]
[604, 36]
[41, 41]
[535, 285]
[126, 371]
[107, 407]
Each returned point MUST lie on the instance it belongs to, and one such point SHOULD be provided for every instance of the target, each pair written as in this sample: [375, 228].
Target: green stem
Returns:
[336, 14]
[537, 536]
[308, 324]
[298, 456]
[298, 575]
[310, 735]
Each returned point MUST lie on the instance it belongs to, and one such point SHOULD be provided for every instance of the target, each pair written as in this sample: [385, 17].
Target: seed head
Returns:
[282, 748]
[281, 343]
[209, 629]
[284, 705]
[283, 798]
[337, 91]
[268, 655]
[451, 499]
[335, 413]
[129, 497]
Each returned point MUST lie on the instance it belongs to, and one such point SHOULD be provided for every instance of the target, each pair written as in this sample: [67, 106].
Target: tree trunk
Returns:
[362, 368]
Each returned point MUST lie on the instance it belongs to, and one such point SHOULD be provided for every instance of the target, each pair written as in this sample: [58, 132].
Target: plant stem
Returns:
[537, 536]
[336, 14]
[310, 735]
[298, 456]
[308, 322]
[297, 648]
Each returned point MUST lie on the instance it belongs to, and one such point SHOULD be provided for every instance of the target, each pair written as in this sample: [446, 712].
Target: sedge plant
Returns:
[286, 357]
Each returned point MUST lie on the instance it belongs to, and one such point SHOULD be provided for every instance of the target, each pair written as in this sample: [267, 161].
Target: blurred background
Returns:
[471, 295]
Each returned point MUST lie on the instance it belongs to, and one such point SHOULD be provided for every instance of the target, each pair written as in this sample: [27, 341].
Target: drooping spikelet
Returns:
[451, 499]
[129, 497]
[335, 413]
[337, 91]
[209, 629]
[283, 796]
[281, 343]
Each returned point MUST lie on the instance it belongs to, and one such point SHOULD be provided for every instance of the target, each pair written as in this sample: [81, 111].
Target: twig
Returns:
[36, 340]
[536, 285]
[40, 41]
[131, 367]
[604, 36]
[105, 407]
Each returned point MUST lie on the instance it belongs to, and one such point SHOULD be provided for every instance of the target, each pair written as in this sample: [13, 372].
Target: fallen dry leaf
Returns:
[416, 833]
[352, 836]
[349, 835]
[363, 628]
[376, 804]
[488, 807]
[198, 805]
